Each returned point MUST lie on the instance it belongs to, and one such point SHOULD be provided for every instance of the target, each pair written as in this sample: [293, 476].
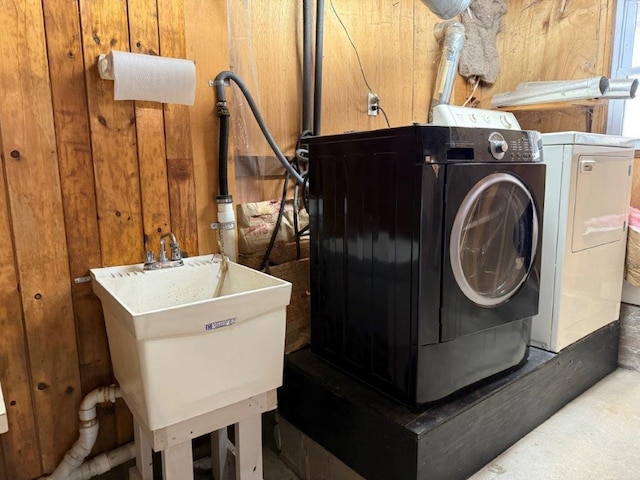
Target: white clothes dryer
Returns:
[588, 188]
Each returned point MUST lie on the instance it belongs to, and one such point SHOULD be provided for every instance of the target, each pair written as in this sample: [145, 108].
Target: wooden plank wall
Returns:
[86, 182]
[89, 182]
[555, 40]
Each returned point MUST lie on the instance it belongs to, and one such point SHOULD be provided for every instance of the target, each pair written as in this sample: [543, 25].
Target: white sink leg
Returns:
[219, 448]
[177, 462]
[144, 458]
[249, 448]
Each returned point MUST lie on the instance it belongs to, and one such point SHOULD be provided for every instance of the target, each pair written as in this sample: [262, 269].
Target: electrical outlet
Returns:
[373, 102]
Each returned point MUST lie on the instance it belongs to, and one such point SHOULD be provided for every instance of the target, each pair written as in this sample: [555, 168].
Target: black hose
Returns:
[306, 65]
[317, 98]
[223, 148]
[220, 83]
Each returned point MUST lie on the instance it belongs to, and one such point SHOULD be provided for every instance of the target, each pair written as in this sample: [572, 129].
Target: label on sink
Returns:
[220, 324]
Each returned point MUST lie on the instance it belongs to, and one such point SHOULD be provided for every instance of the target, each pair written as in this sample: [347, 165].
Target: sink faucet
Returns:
[163, 261]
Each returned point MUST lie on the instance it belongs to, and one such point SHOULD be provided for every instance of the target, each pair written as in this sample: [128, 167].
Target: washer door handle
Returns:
[586, 166]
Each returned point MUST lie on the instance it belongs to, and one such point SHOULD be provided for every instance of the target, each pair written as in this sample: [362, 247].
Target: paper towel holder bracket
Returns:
[105, 67]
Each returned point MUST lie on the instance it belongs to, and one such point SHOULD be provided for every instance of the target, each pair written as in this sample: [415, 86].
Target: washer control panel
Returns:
[482, 144]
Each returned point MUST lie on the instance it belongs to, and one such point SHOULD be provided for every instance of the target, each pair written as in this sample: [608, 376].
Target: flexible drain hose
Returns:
[220, 84]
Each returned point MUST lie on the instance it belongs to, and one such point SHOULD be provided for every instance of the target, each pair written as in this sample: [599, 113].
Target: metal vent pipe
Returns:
[451, 35]
[447, 9]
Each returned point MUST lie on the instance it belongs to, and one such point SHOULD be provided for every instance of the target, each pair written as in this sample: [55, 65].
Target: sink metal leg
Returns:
[249, 448]
[177, 462]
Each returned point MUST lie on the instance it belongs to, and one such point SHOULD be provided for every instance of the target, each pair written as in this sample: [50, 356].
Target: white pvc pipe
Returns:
[88, 432]
[104, 462]
[227, 230]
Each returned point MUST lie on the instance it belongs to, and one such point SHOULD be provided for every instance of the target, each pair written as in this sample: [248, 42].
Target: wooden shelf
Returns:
[580, 104]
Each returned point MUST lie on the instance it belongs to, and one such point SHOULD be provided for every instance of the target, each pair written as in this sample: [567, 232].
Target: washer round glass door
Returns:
[494, 239]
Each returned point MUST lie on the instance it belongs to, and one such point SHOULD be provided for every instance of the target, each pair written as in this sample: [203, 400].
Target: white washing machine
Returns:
[586, 205]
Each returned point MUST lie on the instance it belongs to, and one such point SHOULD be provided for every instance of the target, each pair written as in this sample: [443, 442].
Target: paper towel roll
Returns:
[152, 78]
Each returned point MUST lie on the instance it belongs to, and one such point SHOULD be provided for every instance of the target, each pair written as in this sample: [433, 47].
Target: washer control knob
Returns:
[500, 146]
[506, 121]
[497, 145]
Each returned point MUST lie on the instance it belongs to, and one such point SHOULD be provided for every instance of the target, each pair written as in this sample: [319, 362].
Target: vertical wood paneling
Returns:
[208, 48]
[554, 40]
[178, 134]
[3, 470]
[113, 137]
[426, 57]
[183, 204]
[143, 34]
[20, 448]
[66, 65]
[383, 34]
[113, 140]
[31, 169]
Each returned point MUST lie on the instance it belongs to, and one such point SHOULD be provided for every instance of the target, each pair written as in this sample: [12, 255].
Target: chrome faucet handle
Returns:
[149, 257]
[176, 254]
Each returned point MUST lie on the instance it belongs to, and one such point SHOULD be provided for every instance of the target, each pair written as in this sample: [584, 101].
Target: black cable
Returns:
[265, 260]
[385, 116]
[305, 195]
[296, 234]
[283, 200]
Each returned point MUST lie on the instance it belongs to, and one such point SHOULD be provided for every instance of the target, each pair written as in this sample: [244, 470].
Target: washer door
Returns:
[494, 239]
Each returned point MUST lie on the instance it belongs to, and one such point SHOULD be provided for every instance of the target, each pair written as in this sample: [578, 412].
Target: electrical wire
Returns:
[352, 44]
[386, 119]
[364, 76]
[473, 91]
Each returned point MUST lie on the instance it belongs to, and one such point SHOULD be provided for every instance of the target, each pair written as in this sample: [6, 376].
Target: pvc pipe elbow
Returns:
[87, 410]
[74, 458]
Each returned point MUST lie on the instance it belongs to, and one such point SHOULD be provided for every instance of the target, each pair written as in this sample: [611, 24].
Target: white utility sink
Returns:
[177, 351]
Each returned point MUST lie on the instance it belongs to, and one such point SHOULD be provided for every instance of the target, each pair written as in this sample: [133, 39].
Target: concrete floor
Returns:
[596, 436]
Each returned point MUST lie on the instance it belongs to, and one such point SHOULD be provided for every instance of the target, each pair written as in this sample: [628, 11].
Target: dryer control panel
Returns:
[455, 116]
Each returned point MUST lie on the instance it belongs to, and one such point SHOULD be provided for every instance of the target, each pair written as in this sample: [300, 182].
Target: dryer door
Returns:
[494, 239]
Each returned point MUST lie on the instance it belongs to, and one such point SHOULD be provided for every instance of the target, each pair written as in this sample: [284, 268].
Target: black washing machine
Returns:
[425, 254]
